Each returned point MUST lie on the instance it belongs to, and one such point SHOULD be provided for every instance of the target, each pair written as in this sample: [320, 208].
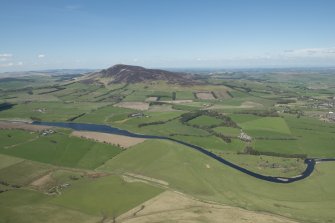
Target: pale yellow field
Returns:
[173, 206]
[134, 105]
[23, 126]
[122, 141]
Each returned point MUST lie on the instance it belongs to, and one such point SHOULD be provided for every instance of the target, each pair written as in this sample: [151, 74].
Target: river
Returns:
[310, 162]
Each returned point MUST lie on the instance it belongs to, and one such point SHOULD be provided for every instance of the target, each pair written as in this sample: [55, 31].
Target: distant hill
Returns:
[54, 72]
[122, 73]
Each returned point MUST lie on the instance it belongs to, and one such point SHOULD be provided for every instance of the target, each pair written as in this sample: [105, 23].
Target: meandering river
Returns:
[310, 162]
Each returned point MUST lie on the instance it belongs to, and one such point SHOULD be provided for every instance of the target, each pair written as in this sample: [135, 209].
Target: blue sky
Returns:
[45, 34]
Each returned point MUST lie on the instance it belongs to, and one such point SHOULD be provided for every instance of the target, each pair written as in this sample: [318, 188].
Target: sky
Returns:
[66, 34]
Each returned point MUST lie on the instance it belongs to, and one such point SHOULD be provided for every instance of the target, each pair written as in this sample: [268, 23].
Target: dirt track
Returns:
[122, 141]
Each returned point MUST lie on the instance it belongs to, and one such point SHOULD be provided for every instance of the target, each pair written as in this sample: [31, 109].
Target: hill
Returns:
[122, 73]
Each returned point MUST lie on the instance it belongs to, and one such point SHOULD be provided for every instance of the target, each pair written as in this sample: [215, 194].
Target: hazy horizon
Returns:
[166, 34]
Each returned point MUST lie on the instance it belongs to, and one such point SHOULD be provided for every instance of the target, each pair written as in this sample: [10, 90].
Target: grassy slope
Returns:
[86, 200]
[8, 161]
[24, 172]
[26, 206]
[186, 170]
[109, 195]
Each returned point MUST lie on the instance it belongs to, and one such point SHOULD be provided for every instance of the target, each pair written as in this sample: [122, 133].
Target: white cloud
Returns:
[6, 64]
[310, 52]
[40, 56]
[5, 56]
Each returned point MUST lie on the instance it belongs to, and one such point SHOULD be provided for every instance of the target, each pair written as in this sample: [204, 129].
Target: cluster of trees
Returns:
[286, 101]
[225, 138]
[214, 95]
[227, 121]
[230, 94]
[155, 123]
[251, 151]
[75, 117]
[157, 103]
[174, 95]
[240, 88]
[186, 117]
[58, 88]
[151, 123]
[5, 106]
[297, 112]
[261, 113]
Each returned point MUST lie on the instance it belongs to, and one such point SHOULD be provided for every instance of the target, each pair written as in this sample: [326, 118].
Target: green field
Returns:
[205, 120]
[190, 172]
[87, 200]
[49, 111]
[228, 131]
[24, 172]
[110, 196]
[8, 161]
[59, 149]
[61, 178]
[270, 124]
[30, 206]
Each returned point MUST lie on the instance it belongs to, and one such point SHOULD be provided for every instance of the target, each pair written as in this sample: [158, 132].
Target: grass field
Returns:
[59, 149]
[191, 172]
[110, 196]
[12, 137]
[228, 131]
[8, 161]
[284, 115]
[49, 111]
[24, 172]
[184, 95]
[205, 120]
[30, 207]
[271, 124]
[268, 165]
[105, 114]
[87, 200]
[213, 143]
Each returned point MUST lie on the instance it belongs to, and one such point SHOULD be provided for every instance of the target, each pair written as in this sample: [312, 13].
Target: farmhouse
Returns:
[47, 132]
[244, 137]
[331, 116]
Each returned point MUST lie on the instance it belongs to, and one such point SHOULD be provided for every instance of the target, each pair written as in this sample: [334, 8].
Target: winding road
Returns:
[310, 162]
